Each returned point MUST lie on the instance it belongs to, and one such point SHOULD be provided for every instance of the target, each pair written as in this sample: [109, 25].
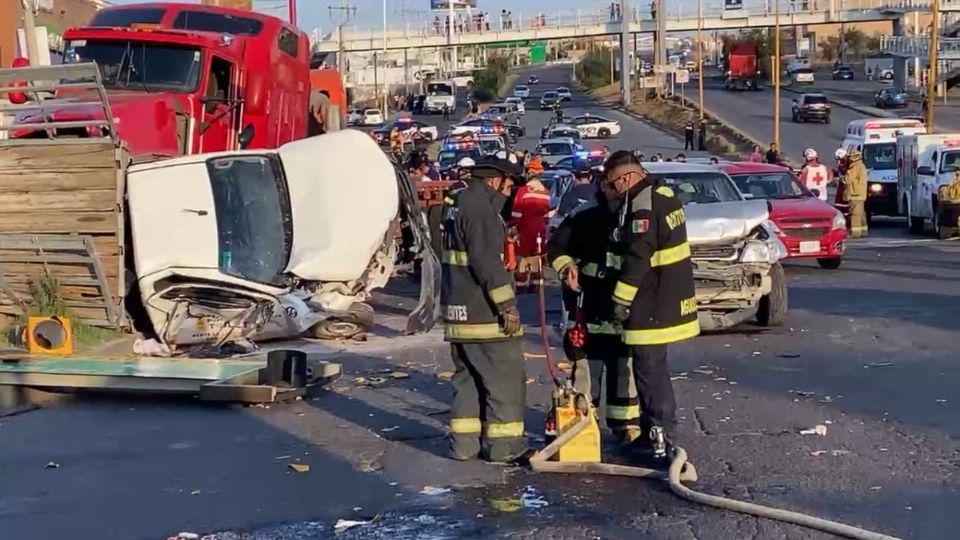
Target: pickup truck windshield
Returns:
[880, 156]
[253, 217]
[439, 89]
[555, 149]
[769, 186]
[950, 161]
[700, 187]
[135, 65]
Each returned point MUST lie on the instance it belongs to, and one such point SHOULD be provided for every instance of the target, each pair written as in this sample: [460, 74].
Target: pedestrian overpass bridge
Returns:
[593, 22]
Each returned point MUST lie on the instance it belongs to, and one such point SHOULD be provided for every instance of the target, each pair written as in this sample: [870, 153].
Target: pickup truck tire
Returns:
[831, 263]
[916, 225]
[772, 310]
[358, 321]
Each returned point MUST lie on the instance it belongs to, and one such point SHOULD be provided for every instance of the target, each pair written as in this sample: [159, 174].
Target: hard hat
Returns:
[840, 153]
[466, 163]
[810, 153]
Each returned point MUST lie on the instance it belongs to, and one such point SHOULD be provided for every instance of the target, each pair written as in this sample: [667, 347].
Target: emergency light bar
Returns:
[492, 129]
[460, 146]
[596, 153]
[582, 154]
[893, 125]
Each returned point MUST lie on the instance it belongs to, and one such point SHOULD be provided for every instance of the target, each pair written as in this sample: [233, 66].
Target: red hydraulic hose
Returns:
[545, 341]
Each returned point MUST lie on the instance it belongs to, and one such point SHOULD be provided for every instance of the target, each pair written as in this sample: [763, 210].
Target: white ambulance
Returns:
[876, 139]
[926, 162]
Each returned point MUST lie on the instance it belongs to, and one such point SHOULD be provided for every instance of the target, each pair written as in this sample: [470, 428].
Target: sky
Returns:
[314, 13]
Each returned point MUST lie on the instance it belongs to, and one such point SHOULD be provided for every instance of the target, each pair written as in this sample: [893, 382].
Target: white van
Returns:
[440, 94]
[926, 162]
[876, 139]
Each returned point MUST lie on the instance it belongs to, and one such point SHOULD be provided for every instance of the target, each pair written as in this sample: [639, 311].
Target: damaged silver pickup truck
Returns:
[734, 248]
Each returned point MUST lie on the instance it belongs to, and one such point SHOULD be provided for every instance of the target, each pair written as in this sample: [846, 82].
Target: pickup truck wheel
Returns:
[831, 263]
[773, 307]
[357, 321]
[916, 225]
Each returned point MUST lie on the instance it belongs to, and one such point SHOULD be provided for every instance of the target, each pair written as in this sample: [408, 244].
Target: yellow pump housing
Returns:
[568, 408]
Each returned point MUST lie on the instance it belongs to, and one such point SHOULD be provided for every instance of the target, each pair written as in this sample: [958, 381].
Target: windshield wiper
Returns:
[789, 196]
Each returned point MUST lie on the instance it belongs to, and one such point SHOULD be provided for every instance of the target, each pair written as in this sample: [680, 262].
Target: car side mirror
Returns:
[925, 170]
[246, 136]
[815, 191]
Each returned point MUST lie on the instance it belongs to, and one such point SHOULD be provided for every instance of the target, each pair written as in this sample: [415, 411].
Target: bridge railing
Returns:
[948, 48]
[504, 24]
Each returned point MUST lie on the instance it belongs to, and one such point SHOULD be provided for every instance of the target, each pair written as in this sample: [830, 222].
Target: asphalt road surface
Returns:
[869, 351]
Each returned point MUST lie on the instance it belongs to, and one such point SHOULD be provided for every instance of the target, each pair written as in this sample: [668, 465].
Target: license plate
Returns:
[812, 246]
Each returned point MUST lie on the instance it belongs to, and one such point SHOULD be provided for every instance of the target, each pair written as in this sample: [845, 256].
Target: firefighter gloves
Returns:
[621, 312]
[511, 320]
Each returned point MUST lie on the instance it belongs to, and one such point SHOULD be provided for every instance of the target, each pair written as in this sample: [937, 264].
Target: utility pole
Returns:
[453, 48]
[625, 19]
[386, 83]
[30, 32]
[776, 77]
[931, 94]
[700, 56]
[340, 16]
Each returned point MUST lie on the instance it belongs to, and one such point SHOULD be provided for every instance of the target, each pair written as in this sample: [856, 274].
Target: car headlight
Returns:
[755, 252]
[839, 222]
[876, 188]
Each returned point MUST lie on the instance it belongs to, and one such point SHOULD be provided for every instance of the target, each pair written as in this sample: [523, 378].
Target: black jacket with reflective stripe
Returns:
[656, 276]
[581, 239]
[476, 286]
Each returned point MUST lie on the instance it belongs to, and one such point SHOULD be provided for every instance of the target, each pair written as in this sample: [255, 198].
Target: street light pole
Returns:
[700, 55]
[931, 96]
[776, 78]
[624, 52]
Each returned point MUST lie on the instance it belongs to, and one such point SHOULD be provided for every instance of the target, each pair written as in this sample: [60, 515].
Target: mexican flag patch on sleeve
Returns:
[640, 226]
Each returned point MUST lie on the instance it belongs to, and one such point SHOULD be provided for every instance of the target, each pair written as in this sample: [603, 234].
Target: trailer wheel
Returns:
[357, 321]
[773, 307]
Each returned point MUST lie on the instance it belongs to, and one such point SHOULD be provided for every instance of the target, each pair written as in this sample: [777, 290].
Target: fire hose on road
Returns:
[680, 469]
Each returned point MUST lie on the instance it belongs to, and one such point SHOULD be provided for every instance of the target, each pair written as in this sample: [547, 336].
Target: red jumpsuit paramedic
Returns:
[529, 215]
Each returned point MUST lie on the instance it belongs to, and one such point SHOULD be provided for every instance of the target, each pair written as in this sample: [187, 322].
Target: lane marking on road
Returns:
[869, 243]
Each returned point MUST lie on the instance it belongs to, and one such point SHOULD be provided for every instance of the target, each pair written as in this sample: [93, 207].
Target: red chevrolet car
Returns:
[809, 227]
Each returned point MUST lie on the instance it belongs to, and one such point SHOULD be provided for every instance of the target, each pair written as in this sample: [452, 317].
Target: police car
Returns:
[551, 151]
[591, 159]
[595, 127]
[478, 125]
[407, 126]
[453, 151]
[560, 131]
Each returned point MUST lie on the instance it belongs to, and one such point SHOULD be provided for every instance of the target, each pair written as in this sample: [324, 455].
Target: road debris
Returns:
[788, 355]
[530, 498]
[875, 488]
[803, 393]
[399, 375]
[389, 429]
[434, 490]
[940, 400]
[299, 467]
[533, 355]
[195, 492]
[879, 364]
[837, 453]
[185, 536]
[818, 429]
[565, 366]
[444, 375]
[818, 453]
[506, 505]
[53, 465]
[703, 371]
[346, 524]
[679, 378]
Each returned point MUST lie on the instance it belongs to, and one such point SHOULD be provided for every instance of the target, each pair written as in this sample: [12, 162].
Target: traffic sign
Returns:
[681, 76]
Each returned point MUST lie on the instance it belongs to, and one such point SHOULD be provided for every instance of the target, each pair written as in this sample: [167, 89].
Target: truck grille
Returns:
[812, 233]
[713, 252]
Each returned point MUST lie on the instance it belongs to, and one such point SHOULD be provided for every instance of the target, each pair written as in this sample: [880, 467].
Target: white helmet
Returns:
[809, 153]
[508, 156]
[840, 153]
[466, 163]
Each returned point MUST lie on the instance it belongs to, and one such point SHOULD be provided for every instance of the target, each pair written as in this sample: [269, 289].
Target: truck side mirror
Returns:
[925, 170]
[246, 136]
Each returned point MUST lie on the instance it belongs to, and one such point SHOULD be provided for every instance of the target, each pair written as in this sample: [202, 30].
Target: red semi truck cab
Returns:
[187, 78]
[742, 69]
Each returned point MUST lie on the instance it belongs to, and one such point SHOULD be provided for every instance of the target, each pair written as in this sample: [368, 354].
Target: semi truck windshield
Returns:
[134, 65]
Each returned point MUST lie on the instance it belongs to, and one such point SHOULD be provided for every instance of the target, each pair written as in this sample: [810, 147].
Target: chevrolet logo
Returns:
[807, 225]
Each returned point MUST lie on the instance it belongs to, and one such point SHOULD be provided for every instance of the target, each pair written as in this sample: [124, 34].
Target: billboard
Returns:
[457, 4]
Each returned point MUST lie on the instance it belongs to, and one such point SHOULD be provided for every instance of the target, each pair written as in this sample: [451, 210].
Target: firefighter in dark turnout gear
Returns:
[481, 319]
[587, 268]
[654, 296]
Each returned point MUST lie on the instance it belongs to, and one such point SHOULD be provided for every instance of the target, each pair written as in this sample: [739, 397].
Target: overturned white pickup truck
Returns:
[734, 247]
[267, 244]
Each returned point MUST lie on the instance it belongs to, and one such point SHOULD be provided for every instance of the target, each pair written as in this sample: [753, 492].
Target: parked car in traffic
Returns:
[596, 127]
[553, 150]
[809, 227]
[548, 100]
[815, 107]
[564, 93]
[533, 79]
[372, 117]
[891, 98]
[521, 91]
[802, 76]
[518, 103]
[843, 73]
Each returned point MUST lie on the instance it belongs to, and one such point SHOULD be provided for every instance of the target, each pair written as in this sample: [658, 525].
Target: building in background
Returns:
[54, 15]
